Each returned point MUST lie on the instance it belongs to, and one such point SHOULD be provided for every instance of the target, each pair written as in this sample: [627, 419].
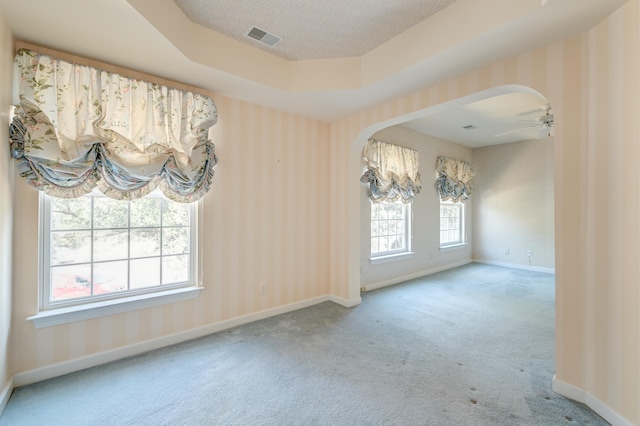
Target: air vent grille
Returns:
[469, 127]
[263, 37]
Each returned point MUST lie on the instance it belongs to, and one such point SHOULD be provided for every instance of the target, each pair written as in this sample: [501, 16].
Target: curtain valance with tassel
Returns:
[454, 179]
[392, 172]
[77, 127]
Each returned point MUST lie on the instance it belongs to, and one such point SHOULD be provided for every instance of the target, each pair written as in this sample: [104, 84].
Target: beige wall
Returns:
[270, 218]
[592, 83]
[426, 214]
[609, 196]
[265, 224]
[6, 204]
[513, 204]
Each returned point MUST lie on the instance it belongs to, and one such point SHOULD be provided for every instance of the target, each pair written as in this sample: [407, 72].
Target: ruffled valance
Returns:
[392, 172]
[454, 179]
[78, 127]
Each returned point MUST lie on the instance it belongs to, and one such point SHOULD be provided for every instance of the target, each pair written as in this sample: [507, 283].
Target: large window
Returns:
[390, 229]
[96, 248]
[451, 223]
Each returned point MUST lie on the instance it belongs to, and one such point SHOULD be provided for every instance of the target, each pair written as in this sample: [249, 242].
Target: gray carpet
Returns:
[469, 346]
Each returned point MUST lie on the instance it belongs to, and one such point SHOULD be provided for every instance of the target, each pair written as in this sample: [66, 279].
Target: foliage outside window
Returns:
[451, 223]
[98, 248]
[389, 228]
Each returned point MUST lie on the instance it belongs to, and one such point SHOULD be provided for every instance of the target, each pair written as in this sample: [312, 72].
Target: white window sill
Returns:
[391, 258]
[110, 307]
[453, 247]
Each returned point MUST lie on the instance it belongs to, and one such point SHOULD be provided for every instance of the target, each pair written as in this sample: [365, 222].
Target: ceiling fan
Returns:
[544, 123]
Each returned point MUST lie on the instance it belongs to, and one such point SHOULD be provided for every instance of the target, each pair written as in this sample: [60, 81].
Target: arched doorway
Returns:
[357, 216]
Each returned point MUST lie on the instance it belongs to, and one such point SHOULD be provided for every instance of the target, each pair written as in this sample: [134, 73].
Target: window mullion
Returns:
[91, 255]
[162, 239]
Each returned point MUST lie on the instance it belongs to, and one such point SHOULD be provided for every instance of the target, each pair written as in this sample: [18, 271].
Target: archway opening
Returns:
[512, 144]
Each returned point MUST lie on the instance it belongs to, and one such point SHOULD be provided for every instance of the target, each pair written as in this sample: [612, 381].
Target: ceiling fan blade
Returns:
[541, 108]
[532, 123]
[509, 132]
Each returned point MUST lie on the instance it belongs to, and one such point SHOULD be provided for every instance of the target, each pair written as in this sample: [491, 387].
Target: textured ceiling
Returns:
[313, 29]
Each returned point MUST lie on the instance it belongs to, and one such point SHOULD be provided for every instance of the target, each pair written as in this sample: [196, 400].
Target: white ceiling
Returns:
[155, 37]
[496, 120]
[312, 29]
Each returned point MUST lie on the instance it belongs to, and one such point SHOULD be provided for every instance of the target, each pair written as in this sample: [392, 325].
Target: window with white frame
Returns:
[96, 248]
[451, 223]
[390, 229]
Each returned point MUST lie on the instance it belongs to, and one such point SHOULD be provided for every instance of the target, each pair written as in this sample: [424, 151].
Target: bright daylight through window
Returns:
[389, 228]
[98, 248]
[451, 223]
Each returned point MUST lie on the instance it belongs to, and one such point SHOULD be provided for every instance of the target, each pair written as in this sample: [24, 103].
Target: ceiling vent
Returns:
[263, 37]
[469, 127]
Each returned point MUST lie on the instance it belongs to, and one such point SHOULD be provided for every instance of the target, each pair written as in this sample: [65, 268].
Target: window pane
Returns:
[70, 213]
[395, 211]
[397, 243]
[145, 272]
[146, 212]
[109, 213]
[175, 214]
[175, 241]
[110, 244]
[384, 212]
[389, 228]
[70, 247]
[98, 246]
[70, 282]
[109, 277]
[451, 223]
[374, 228]
[384, 244]
[145, 242]
[375, 212]
[393, 226]
[374, 245]
[175, 269]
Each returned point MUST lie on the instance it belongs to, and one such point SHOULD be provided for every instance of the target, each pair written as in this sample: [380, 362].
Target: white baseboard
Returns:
[569, 391]
[5, 394]
[516, 266]
[577, 394]
[73, 365]
[423, 273]
[347, 303]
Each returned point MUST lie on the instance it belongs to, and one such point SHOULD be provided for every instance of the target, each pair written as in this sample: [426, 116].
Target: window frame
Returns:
[65, 311]
[462, 241]
[380, 257]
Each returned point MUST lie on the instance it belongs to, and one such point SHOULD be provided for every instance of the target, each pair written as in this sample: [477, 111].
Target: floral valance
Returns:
[454, 179]
[392, 172]
[78, 127]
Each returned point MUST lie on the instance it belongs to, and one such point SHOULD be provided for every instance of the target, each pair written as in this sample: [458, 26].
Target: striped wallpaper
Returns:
[265, 224]
[592, 84]
[284, 213]
[6, 213]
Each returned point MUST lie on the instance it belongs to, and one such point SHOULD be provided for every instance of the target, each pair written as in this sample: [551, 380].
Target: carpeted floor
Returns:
[469, 346]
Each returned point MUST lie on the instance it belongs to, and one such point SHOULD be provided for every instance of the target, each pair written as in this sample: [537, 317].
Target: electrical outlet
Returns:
[263, 289]
[506, 251]
[529, 253]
